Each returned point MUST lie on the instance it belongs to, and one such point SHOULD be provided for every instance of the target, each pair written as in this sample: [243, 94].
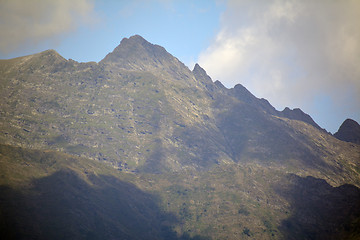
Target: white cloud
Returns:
[290, 51]
[24, 23]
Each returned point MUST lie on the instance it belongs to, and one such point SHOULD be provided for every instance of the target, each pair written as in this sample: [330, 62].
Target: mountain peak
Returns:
[135, 47]
[50, 54]
[137, 53]
[349, 131]
[298, 114]
[197, 68]
[136, 38]
[219, 84]
[241, 93]
[201, 75]
[164, 148]
[49, 59]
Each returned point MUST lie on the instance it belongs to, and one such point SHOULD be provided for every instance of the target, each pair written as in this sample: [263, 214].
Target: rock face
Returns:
[214, 156]
[349, 131]
[297, 114]
[141, 109]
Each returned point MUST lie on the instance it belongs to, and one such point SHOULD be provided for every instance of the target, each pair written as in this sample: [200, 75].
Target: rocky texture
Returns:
[216, 159]
[349, 131]
[141, 109]
[298, 114]
[58, 196]
[321, 211]
[50, 195]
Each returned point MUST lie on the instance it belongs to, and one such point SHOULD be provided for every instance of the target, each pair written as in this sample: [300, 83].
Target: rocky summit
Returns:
[138, 146]
[349, 131]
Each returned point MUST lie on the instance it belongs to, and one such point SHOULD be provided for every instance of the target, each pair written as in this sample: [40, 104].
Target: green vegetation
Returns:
[140, 147]
[49, 195]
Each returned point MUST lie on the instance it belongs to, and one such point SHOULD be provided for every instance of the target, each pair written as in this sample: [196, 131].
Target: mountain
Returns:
[297, 114]
[51, 195]
[166, 148]
[349, 131]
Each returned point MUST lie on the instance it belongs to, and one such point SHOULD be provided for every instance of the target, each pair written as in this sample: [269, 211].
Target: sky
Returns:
[295, 53]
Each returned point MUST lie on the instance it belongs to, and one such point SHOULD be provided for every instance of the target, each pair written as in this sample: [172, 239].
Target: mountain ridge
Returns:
[349, 131]
[139, 130]
[200, 107]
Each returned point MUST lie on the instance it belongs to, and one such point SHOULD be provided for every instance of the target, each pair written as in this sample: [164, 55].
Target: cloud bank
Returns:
[299, 53]
[24, 24]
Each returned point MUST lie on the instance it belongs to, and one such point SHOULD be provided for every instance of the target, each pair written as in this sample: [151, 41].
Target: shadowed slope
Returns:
[349, 131]
[74, 201]
[320, 211]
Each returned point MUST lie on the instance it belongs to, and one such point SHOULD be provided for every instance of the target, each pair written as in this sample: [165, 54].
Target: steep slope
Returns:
[141, 109]
[298, 114]
[254, 131]
[349, 131]
[50, 195]
[221, 162]
[127, 117]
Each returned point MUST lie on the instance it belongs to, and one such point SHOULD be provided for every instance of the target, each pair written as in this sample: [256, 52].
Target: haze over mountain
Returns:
[203, 160]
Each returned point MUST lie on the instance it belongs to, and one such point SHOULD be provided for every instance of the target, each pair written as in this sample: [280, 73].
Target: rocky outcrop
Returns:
[219, 163]
[141, 109]
[349, 131]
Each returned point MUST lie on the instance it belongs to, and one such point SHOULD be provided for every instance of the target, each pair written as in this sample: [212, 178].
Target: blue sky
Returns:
[302, 54]
[184, 28]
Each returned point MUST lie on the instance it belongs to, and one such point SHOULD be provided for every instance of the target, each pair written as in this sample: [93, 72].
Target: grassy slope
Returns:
[253, 182]
[50, 195]
[46, 194]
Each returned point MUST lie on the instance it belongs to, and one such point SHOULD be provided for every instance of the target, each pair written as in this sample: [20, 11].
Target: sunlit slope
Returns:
[138, 146]
[141, 109]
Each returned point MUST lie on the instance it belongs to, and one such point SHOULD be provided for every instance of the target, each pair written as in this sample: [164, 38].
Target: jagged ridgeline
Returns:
[213, 162]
